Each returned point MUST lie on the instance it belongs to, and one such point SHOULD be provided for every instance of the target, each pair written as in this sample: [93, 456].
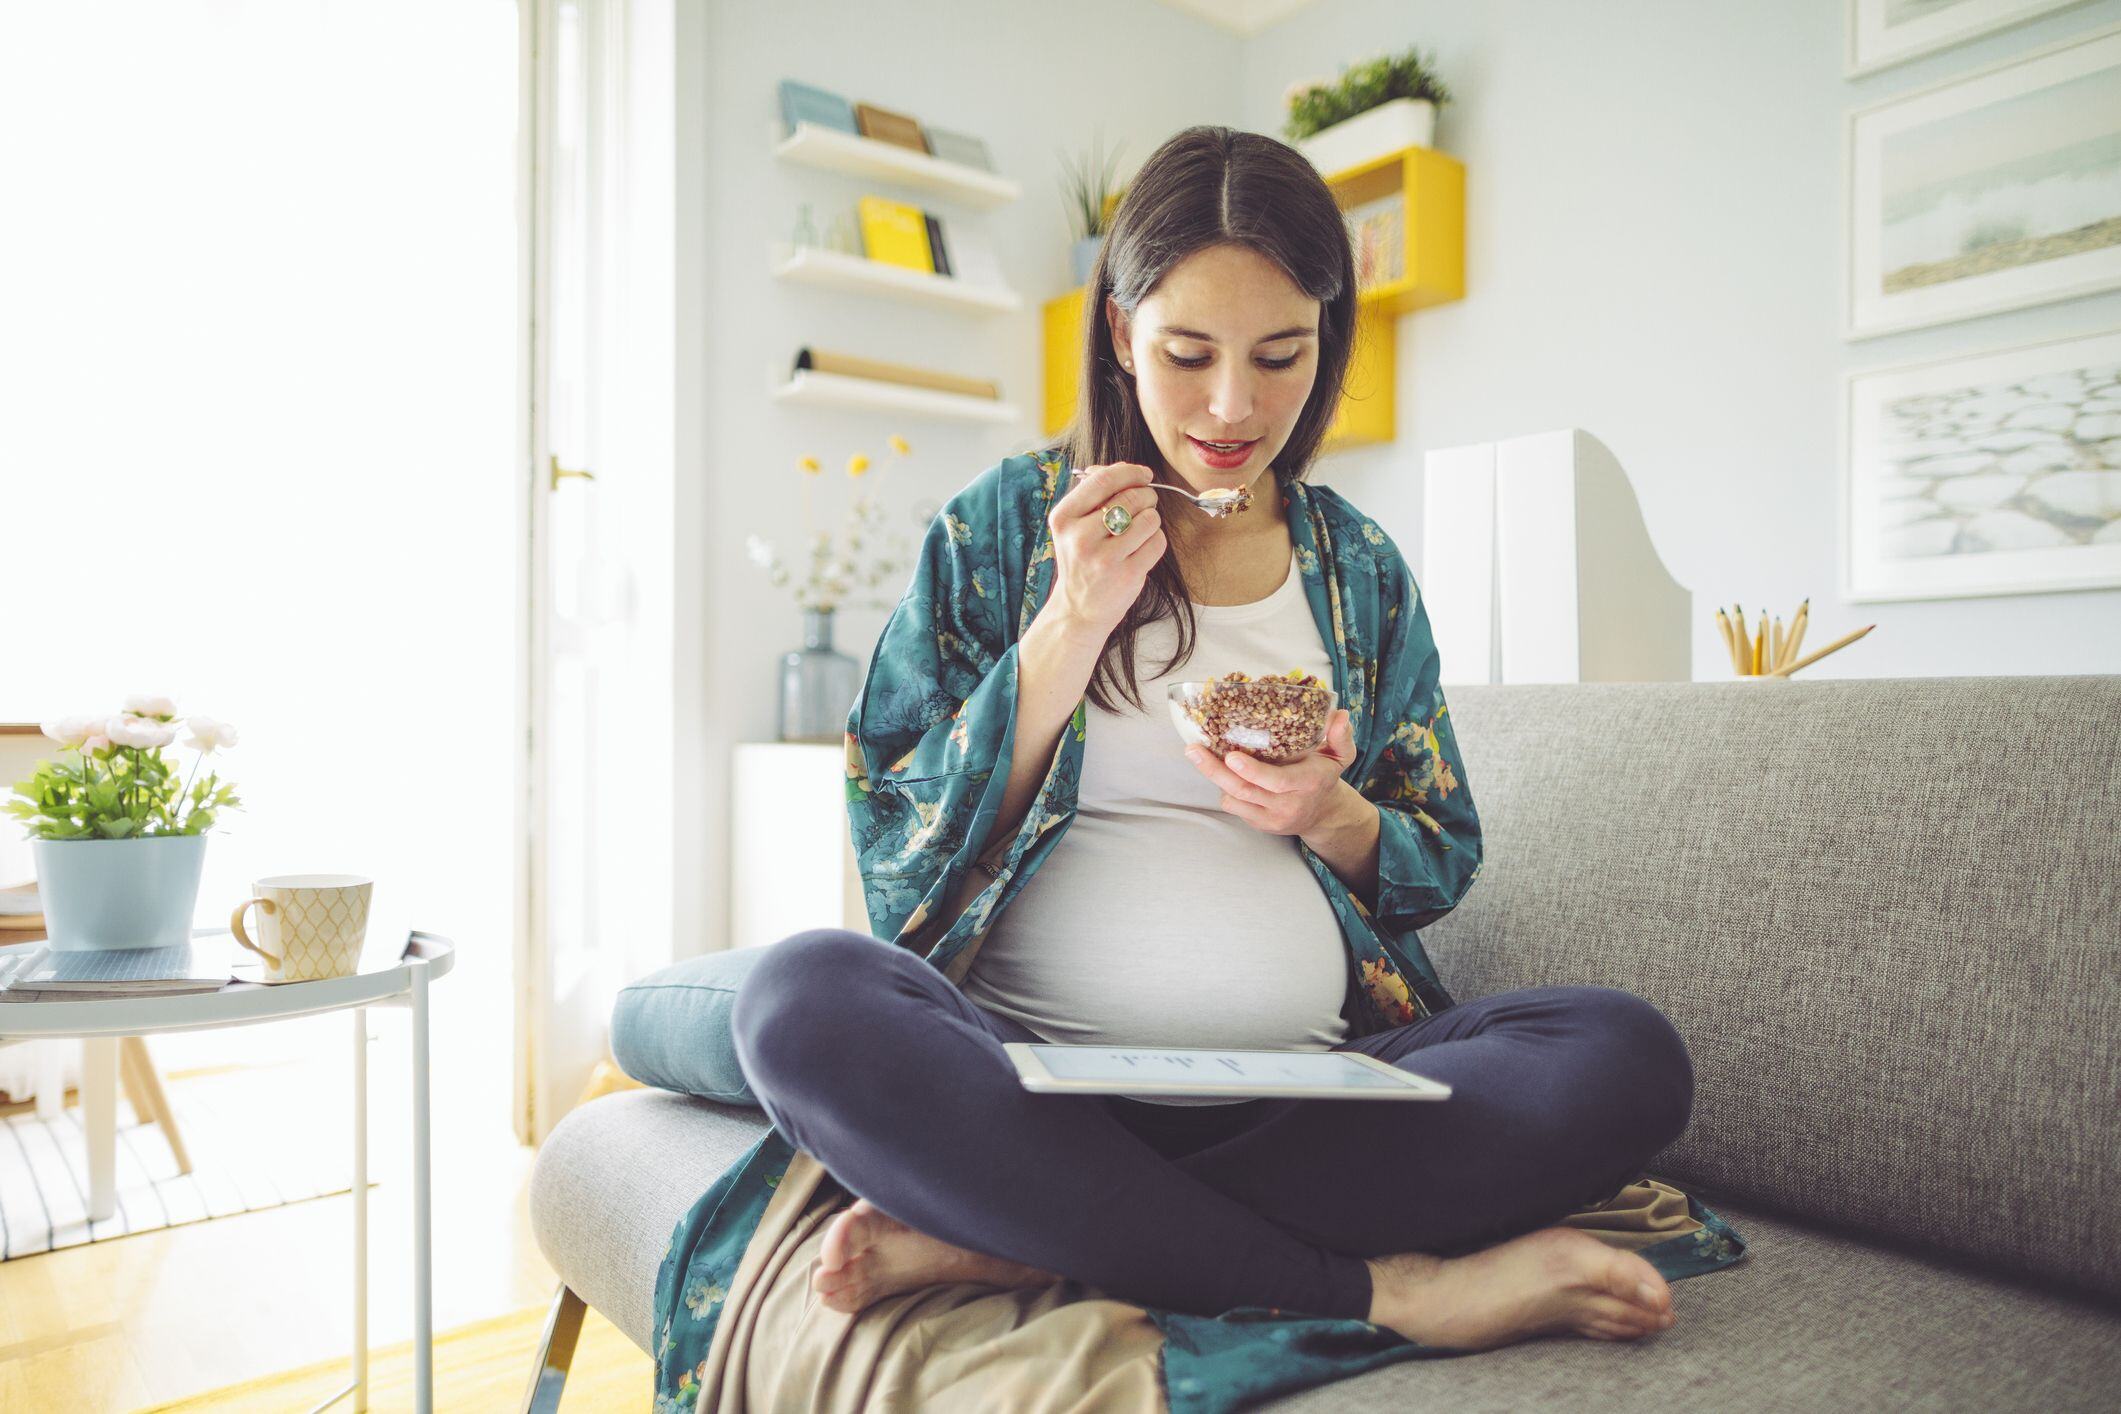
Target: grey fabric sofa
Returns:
[1885, 914]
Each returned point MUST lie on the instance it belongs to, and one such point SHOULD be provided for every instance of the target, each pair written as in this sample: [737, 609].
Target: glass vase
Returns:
[818, 685]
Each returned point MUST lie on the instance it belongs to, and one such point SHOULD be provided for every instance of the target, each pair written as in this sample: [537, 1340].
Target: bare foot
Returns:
[868, 1255]
[1557, 1280]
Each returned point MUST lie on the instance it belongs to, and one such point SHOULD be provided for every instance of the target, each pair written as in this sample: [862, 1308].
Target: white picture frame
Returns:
[1882, 33]
[1976, 447]
[2031, 145]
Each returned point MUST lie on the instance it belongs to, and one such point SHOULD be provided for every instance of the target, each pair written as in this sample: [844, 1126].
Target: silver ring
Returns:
[1117, 519]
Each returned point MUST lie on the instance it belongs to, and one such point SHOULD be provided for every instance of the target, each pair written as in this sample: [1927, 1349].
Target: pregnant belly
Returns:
[1115, 943]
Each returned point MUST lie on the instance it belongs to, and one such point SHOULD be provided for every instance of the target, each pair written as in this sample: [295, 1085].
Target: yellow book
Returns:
[896, 234]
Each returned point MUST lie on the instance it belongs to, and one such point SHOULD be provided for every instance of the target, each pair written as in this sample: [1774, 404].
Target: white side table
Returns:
[100, 1023]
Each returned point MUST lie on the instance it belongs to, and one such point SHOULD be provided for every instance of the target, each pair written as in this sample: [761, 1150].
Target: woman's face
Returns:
[1225, 349]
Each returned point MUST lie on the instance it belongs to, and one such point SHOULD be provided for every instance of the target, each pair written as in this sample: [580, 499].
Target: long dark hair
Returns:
[1207, 186]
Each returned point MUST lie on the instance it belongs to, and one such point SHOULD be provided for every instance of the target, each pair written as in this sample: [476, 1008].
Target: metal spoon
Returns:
[1218, 503]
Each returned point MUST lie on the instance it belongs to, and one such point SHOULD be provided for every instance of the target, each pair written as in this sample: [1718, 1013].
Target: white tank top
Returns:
[1159, 920]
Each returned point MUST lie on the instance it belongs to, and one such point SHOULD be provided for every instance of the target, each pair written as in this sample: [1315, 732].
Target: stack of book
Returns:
[21, 914]
[48, 974]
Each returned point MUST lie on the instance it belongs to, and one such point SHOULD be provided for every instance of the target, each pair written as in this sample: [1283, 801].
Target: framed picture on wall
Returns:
[1882, 33]
[1989, 192]
[1994, 473]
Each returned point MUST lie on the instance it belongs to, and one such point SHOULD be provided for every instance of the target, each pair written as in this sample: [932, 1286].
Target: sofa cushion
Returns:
[671, 1028]
[1810, 1320]
[1882, 912]
[613, 1179]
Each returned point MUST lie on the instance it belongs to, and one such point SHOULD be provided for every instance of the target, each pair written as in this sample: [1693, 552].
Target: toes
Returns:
[848, 1235]
[1627, 1280]
[1599, 1330]
[1611, 1310]
[832, 1252]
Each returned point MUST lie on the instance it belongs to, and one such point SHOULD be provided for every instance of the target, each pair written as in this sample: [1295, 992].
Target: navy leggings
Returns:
[868, 1060]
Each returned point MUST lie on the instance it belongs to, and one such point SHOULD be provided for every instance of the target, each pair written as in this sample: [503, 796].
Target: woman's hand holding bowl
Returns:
[1306, 797]
[1099, 575]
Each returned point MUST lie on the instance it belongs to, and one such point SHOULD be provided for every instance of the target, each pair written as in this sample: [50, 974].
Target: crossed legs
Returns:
[867, 1059]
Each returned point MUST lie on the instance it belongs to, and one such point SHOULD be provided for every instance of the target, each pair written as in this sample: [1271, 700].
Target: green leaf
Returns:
[114, 829]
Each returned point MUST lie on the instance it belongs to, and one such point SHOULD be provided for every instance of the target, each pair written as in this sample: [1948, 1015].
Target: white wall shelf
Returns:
[812, 265]
[808, 388]
[835, 151]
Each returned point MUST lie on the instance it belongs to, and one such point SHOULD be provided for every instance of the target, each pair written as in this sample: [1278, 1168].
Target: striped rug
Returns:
[259, 1136]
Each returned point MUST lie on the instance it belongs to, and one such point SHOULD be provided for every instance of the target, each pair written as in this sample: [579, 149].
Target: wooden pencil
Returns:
[1842, 642]
[1760, 646]
[1730, 640]
[1804, 616]
[1775, 646]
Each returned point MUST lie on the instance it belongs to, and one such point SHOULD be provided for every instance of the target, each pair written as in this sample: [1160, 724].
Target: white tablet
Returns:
[1193, 1070]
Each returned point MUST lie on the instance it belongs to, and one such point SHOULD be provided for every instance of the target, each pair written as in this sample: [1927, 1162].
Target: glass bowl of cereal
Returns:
[1275, 719]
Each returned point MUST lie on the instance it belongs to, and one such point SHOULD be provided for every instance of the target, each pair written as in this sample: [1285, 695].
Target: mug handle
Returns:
[235, 925]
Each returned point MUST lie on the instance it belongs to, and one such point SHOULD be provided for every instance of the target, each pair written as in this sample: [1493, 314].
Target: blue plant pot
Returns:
[119, 893]
[1083, 255]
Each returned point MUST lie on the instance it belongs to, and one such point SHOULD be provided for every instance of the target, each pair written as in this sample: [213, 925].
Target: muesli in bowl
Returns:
[1274, 719]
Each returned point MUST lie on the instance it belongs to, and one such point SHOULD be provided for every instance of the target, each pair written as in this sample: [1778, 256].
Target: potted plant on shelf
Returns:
[818, 683]
[1381, 105]
[120, 841]
[1092, 197]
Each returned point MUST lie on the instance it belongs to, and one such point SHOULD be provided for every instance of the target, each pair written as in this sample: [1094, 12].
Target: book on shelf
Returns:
[937, 254]
[895, 233]
[898, 129]
[821, 361]
[961, 148]
[1378, 231]
[805, 103]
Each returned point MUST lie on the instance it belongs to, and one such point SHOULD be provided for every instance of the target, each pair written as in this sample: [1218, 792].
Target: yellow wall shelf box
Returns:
[1432, 189]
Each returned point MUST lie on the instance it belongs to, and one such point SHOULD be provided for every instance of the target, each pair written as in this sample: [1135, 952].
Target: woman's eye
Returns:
[1202, 362]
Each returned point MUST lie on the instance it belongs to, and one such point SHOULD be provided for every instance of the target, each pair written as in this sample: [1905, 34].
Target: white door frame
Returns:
[596, 792]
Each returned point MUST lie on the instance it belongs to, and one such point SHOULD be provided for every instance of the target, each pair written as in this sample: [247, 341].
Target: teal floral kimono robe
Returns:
[929, 744]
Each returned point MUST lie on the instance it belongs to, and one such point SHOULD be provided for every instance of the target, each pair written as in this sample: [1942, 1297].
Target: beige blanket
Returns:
[1062, 1349]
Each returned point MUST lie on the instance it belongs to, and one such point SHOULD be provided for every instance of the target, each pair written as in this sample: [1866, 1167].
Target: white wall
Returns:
[1654, 254]
[1030, 80]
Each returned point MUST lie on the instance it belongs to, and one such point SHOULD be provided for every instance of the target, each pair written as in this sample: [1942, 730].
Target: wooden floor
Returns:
[118, 1324]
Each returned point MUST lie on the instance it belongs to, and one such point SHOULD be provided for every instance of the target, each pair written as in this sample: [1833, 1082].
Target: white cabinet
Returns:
[792, 865]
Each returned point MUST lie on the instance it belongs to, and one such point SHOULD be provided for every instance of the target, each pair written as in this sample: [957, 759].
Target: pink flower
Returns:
[209, 736]
[74, 732]
[142, 704]
[139, 732]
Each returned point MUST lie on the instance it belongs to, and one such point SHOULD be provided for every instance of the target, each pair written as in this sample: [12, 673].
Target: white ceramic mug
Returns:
[310, 926]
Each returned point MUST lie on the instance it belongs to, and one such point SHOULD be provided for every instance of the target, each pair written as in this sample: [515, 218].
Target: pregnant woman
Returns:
[1051, 863]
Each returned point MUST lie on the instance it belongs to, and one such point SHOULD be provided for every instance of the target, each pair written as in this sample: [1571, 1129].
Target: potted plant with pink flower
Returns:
[118, 829]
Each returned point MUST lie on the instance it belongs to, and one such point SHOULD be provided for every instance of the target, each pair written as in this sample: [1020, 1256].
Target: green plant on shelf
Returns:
[1317, 104]
[1089, 190]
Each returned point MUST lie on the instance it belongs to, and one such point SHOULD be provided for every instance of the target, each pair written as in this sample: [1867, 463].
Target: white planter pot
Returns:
[1389, 127]
[119, 893]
